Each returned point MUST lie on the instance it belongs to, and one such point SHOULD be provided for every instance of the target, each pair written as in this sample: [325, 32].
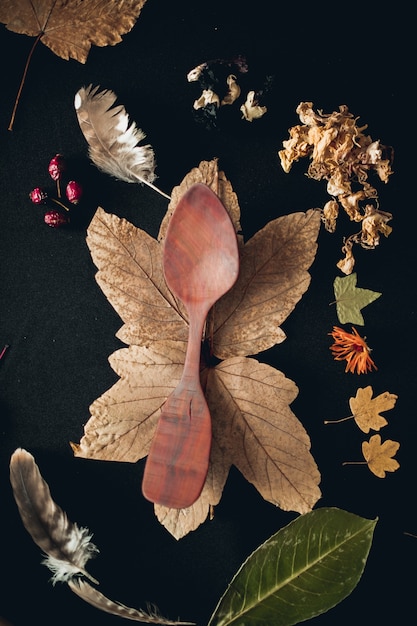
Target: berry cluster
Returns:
[60, 216]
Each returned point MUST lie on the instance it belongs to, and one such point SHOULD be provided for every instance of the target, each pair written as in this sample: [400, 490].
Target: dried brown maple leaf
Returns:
[366, 410]
[253, 426]
[378, 456]
[69, 27]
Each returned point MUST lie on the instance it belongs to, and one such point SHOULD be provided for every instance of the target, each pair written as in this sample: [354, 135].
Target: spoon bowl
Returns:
[201, 263]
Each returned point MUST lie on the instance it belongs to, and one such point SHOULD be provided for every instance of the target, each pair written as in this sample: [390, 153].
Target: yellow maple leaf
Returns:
[366, 410]
[379, 455]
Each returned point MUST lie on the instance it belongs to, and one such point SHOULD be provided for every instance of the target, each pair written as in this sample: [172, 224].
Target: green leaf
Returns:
[300, 572]
[351, 299]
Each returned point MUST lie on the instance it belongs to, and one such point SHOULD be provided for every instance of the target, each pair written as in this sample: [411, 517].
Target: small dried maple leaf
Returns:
[253, 427]
[379, 455]
[366, 410]
[70, 27]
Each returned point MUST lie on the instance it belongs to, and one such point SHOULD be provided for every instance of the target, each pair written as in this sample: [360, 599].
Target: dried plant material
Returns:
[253, 427]
[113, 141]
[330, 215]
[207, 97]
[233, 91]
[211, 73]
[251, 109]
[366, 411]
[272, 279]
[379, 456]
[220, 81]
[69, 28]
[350, 299]
[344, 156]
[66, 546]
[353, 349]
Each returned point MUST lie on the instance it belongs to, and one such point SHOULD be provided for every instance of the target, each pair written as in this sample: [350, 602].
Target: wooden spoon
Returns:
[201, 263]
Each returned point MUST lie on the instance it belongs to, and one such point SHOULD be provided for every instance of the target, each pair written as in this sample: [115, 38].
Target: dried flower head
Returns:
[344, 156]
[352, 348]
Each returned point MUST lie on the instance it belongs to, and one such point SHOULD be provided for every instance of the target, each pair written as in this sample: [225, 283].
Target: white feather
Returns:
[113, 141]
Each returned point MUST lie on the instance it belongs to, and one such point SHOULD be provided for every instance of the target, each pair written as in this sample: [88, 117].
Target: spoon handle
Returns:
[177, 463]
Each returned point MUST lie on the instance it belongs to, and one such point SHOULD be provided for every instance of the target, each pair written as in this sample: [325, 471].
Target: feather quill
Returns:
[66, 546]
[91, 595]
[112, 139]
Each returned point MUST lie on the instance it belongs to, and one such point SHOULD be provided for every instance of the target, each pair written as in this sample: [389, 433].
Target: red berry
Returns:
[56, 167]
[56, 219]
[38, 195]
[74, 191]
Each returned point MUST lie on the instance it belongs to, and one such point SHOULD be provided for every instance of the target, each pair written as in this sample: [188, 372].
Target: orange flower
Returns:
[353, 348]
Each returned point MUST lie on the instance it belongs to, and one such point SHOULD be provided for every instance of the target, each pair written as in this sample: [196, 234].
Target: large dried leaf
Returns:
[123, 419]
[207, 173]
[259, 434]
[70, 27]
[253, 426]
[273, 277]
[131, 276]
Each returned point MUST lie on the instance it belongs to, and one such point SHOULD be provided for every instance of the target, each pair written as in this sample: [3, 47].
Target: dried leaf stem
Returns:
[354, 463]
[342, 419]
[22, 82]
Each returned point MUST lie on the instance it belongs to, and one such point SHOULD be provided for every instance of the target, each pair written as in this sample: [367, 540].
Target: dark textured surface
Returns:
[61, 329]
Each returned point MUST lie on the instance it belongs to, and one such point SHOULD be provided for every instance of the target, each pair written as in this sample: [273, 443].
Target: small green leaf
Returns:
[300, 572]
[351, 299]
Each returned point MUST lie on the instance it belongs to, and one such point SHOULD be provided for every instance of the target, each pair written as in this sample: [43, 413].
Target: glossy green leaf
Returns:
[300, 572]
[350, 299]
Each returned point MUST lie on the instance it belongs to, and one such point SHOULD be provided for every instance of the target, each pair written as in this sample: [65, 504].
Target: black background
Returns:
[61, 328]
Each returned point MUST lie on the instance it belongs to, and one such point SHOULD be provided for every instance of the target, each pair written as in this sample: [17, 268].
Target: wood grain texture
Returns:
[201, 263]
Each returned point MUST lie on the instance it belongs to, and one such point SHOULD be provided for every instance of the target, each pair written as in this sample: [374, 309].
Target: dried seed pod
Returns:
[56, 219]
[56, 167]
[74, 191]
[38, 195]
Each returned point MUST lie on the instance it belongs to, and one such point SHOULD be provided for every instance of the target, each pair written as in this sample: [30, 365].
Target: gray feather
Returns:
[67, 547]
